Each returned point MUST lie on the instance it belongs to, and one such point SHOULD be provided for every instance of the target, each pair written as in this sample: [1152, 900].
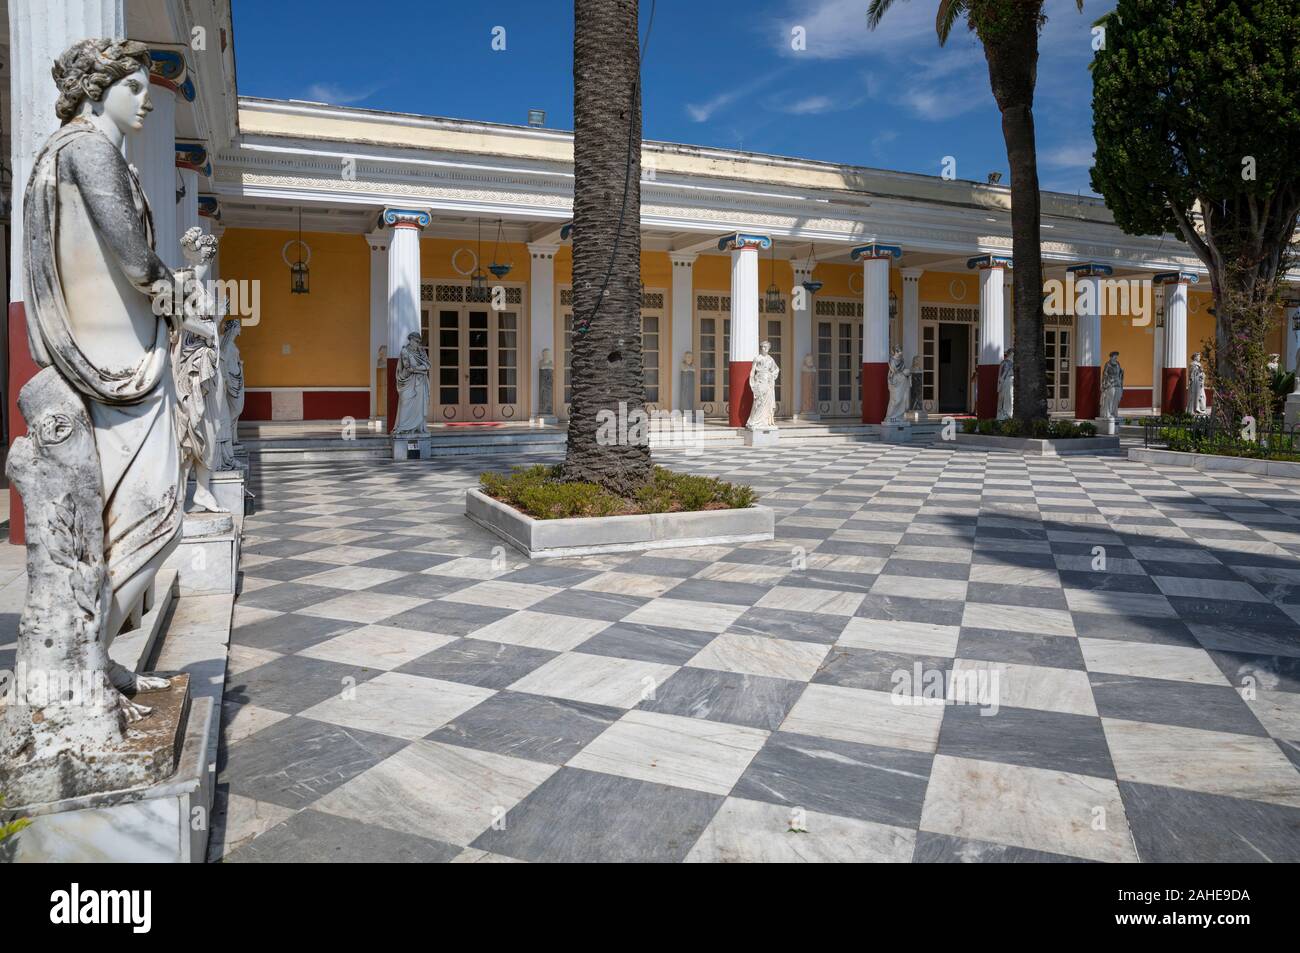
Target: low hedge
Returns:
[1035, 430]
[539, 492]
[1225, 444]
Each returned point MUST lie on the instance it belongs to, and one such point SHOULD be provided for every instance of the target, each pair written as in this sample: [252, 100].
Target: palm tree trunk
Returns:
[1010, 39]
[606, 360]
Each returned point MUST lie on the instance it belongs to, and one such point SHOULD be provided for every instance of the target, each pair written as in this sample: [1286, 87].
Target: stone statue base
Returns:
[917, 416]
[1291, 411]
[761, 436]
[896, 431]
[207, 560]
[415, 446]
[1106, 426]
[157, 823]
[228, 487]
[544, 420]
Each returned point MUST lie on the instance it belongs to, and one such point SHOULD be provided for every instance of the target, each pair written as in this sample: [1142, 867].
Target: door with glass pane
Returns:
[837, 357]
[1057, 368]
[653, 320]
[775, 331]
[474, 351]
[712, 353]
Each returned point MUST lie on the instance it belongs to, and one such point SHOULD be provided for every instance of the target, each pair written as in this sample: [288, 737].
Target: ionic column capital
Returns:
[544, 251]
[417, 219]
[986, 262]
[1175, 278]
[876, 250]
[192, 154]
[1090, 269]
[744, 241]
[168, 70]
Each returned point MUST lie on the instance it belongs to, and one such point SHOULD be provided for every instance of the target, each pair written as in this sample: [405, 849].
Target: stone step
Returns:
[133, 649]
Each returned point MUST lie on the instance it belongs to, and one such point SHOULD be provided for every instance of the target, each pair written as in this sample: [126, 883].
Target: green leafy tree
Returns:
[1008, 31]
[606, 359]
[1196, 115]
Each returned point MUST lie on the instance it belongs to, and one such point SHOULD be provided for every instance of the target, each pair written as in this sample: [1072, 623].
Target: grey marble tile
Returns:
[905, 609]
[312, 837]
[546, 575]
[753, 700]
[1249, 638]
[1152, 700]
[830, 579]
[422, 585]
[1036, 739]
[792, 625]
[477, 662]
[292, 683]
[529, 726]
[290, 632]
[585, 604]
[926, 569]
[1041, 597]
[650, 643]
[288, 596]
[1272, 672]
[1171, 825]
[295, 761]
[944, 849]
[1105, 625]
[725, 593]
[872, 783]
[410, 561]
[666, 565]
[447, 618]
[1023, 648]
[584, 816]
[874, 670]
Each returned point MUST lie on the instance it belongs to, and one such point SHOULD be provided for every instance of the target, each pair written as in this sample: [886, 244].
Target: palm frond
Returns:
[876, 11]
[949, 12]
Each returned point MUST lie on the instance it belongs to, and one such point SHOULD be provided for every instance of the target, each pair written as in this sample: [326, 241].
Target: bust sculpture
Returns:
[1112, 386]
[762, 382]
[1006, 385]
[900, 386]
[1196, 386]
[412, 388]
[100, 468]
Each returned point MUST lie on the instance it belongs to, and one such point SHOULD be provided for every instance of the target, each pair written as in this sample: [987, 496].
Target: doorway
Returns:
[954, 368]
[474, 350]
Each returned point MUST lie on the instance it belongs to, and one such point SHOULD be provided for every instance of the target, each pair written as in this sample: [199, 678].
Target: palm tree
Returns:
[606, 359]
[1008, 30]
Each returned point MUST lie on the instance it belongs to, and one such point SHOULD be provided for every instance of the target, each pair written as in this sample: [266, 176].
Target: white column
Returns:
[378, 242]
[39, 32]
[683, 265]
[152, 152]
[1174, 379]
[911, 312]
[744, 319]
[187, 209]
[992, 342]
[1088, 358]
[1157, 349]
[541, 317]
[803, 319]
[1008, 312]
[875, 327]
[405, 226]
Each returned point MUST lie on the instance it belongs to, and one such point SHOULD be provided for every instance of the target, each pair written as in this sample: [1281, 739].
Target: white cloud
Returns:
[811, 106]
[1072, 156]
[337, 95]
[837, 29]
[704, 111]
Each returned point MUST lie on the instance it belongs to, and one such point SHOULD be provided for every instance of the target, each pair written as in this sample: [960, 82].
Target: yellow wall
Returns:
[436, 255]
[327, 331]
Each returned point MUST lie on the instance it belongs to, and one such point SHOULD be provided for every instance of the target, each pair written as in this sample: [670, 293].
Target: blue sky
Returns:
[716, 74]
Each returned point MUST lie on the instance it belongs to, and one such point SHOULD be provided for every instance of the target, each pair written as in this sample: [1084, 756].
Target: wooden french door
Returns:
[1058, 343]
[654, 318]
[474, 350]
[837, 355]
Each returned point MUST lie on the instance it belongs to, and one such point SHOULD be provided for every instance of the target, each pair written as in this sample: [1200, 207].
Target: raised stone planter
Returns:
[584, 536]
[1215, 461]
[1038, 448]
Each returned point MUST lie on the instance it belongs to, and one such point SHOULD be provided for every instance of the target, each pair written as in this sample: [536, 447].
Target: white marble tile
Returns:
[503, 595]
[693, 753]
[759, 655]
[838, 563]
[686, 614]
[743, 572]
[745, 831]
[1018, 619]
[351, 577]
[621, 683]
[1119, 603]
[1151, 660]
[865, 717]
[361, 606]
[1030, 686]
[1015, 576]
[806, 599]
[919, 587]
[471, 855]
[1278, 712]
[1210, 761]
[243, 820]
[439, 791]
[630, 584]
[240, 721]
[347, 555]
[377, 646]
[472, 567]
[1035, 808]
[540, 630]
[404, 706]
[242, 658]
[907, 638]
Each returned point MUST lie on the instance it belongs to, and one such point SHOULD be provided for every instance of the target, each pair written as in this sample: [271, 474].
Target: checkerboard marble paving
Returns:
[1099, 659]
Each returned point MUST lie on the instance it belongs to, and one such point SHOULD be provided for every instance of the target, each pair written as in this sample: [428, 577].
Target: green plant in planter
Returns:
[541, 493]
[10, 828]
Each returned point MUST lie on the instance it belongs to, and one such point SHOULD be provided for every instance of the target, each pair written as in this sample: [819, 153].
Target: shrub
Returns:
[539, 492]
[10, 828]
[1039, 429]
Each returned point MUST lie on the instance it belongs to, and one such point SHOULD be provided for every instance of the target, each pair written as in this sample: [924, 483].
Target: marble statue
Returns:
[900, 386]
[100, 467]
[412, 388]
[1196, 385]
[200, 387]
[546, 384]
[762, 382]
[916, 400]
[232, 371]
[1112, 386]
[687, 378]
[1006, 386]
[808, 393]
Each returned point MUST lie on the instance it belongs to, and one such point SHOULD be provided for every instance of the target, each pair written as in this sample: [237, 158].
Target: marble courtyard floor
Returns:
[401, 689]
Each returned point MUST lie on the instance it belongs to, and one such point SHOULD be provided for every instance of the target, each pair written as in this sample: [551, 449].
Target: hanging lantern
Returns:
[497, 268]
[811, 284]
[772, 302]
[299, 274]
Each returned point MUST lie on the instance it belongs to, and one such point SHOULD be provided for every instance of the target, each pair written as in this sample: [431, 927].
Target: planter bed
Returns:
[1215, 461]
[583, 536]
[1035, 447]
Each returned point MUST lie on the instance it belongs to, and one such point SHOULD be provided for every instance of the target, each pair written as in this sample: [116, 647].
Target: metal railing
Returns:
[1206, 435]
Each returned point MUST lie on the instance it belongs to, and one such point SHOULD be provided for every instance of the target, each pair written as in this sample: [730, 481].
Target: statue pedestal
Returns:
[166, 822]
[896, 431]
[1106, 426]
[762, 436]
[416, 446]
[1291, 412]
[207, 559]
[228, 487]
[544, 420]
